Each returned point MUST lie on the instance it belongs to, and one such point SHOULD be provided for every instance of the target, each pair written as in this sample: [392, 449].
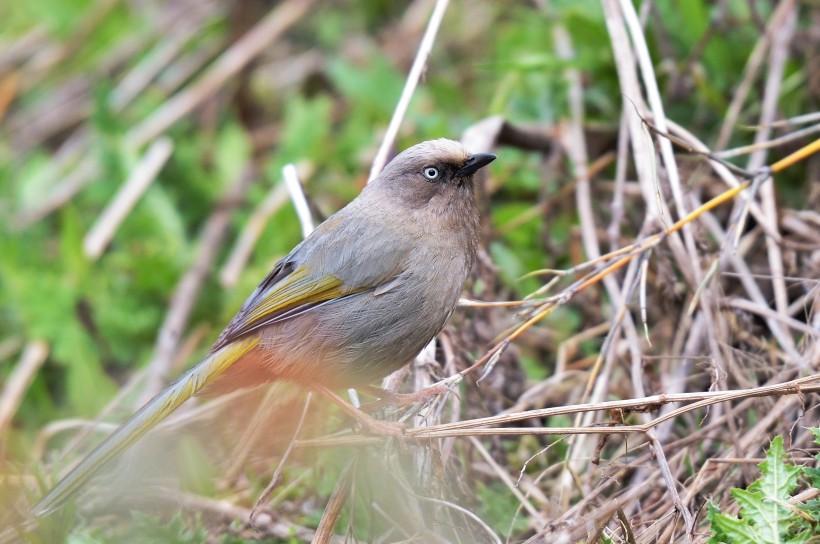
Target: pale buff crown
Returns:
[430, 152]
[442, 149]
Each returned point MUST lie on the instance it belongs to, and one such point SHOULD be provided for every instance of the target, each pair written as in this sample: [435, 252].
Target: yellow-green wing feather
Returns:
[145, 419]
[286, 292]
[297, 289]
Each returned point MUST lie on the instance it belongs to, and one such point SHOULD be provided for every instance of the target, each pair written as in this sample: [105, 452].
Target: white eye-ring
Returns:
[430, 173]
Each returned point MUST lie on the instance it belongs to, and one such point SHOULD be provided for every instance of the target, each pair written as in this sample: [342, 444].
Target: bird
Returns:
[356, 300]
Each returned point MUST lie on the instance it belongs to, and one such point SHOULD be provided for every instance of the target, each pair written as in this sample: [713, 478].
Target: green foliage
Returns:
[765, 515]
[196, 470]
[306, 130]
[231, 154]
[372, 87]
[498, 507]
[812, 508]
[151, 529]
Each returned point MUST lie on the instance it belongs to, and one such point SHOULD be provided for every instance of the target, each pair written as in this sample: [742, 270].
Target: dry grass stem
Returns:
[228, 64]
[144, 172]
[416, 71]
[33, 356]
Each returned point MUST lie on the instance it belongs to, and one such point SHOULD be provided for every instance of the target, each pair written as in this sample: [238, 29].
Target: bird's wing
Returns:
[325, 267]
[286, 292]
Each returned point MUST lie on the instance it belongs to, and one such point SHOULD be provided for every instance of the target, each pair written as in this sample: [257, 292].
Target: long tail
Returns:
[144, 420]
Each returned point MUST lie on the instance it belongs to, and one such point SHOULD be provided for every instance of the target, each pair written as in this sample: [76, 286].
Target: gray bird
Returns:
[356, 300]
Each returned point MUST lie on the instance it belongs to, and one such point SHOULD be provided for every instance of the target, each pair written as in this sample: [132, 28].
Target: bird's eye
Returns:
[430, 173]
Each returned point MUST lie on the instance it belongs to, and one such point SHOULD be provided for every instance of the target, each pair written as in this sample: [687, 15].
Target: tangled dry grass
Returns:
[690, 287]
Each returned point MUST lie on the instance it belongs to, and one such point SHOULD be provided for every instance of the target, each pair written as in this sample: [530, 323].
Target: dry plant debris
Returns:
[641, 329]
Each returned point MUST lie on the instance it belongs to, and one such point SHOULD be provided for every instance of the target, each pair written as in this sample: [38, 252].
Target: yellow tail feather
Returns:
[144, 420]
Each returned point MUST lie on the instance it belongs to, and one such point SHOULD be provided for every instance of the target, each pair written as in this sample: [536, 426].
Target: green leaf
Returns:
[764, 516]
[305, 130]
[779, 478]
[769, 518]
[727, 529]
[232, 153]
[814, 472]
[373, 86]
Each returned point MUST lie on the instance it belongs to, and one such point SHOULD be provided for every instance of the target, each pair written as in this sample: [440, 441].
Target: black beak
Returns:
[474, 162]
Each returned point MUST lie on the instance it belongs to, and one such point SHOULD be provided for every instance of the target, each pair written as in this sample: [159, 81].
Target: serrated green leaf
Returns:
[764, 516]
[729, 530]
[769, 519]
[779, 478]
